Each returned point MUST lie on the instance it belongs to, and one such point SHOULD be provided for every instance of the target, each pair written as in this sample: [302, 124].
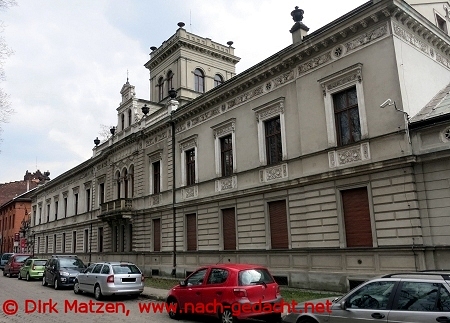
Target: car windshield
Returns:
[6, 256]
[254, 276]
[71, 263]
[125, 269]
[21, 258]
[39, 262]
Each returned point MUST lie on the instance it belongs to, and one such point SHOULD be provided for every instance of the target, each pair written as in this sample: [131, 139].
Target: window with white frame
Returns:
[271, 132]
[225, 148]
[155, 172]
[189, 164]
[345, 111]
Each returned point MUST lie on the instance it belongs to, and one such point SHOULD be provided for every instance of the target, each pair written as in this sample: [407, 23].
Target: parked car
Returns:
[229, 287]
[14, 263]
[4, 259]
[61, 270]
[110, 278]
[32, 269]
[419, 297]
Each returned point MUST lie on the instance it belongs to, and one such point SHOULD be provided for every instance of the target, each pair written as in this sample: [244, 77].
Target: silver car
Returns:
[110, 278]
[417, 297]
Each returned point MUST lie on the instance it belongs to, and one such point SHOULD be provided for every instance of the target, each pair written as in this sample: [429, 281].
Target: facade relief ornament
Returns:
[188, 143]
[190, 192]
[314, 63]
[225, 184]
[343, 157]
[273, 173]
[366, 38]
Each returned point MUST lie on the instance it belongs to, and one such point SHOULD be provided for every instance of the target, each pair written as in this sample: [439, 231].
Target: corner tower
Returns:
[190, 64]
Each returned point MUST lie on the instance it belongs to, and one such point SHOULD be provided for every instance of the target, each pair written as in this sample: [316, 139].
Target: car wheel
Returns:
[98, 292]
[173, 309]
[76, 287]
[308, 320]
[227, 317]
[275, 318]
[56, 284]
[9, 275]
[44, 281]
[28, 278]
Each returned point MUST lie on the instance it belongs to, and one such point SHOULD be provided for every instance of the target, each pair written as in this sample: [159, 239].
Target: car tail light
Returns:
[33, 268]
[240, 292]
[110, 279]
[278, 290]
[142, 278]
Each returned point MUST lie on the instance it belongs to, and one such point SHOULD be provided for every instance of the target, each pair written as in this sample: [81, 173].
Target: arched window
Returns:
[131, 176]
[161, 88]
[217, 80]
[169, 81]
[118, 184]
[129, 117]
[122, 122]
[199, 80]
[125, 182]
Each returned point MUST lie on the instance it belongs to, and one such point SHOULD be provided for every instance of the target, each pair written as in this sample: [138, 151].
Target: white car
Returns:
[110, 278]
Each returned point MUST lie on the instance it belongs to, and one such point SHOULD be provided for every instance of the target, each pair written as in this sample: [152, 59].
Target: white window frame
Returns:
[266, 112]
[101, 181]
[222, 130]
[337, 82]
[153, 158]
[185, 145]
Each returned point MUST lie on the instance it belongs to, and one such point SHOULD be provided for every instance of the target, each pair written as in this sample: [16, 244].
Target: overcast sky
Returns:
[71, 59]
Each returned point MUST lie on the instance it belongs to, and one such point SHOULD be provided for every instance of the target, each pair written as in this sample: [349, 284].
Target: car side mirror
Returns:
[182, 283]
[343, 305]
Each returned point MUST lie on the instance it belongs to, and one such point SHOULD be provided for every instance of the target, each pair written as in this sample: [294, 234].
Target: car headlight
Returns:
[64, 273]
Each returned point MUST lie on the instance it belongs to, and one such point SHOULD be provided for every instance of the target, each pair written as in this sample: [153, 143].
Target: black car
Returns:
[60, 271]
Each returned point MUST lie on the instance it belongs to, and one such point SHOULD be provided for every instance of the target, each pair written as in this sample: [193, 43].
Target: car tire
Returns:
[276, 318]
[308, 320]
[28, 278]
[98, 292]
[44, 281]
[76, 288]
[227, 316]
[56, 284]
[171, 304]
[19, 277]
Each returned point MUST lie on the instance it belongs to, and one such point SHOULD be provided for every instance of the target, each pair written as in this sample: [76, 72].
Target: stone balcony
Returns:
[116, 210]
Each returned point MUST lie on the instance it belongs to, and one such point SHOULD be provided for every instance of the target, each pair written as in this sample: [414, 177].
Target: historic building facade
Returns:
[308, 162]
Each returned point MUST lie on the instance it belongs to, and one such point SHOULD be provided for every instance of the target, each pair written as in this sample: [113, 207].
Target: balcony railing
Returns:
[121, 204]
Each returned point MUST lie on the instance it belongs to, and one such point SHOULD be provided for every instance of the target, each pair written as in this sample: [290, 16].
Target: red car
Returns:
[14, 263]
[229, 292]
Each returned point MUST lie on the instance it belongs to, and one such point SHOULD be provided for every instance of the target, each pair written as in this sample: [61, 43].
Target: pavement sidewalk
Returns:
[156, 294]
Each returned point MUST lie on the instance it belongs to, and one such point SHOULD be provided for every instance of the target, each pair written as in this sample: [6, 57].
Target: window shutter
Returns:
[358, 229]
[191, 231]
[278, 225]
[229, 229]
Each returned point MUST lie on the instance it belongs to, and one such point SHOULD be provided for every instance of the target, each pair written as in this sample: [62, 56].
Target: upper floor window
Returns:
[441, 23]
[274, 149]
[122, 121]
[199, 80]
[156, 177]
[190, 167]
[169, 80]
[161, 88]
[129, 117]
[226, 155]
[346, 116]
[217, 80]
[56, 210]
[75, 203]
[271, 132]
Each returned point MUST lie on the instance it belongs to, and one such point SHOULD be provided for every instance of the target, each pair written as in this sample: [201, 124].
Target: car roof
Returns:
[424, 275]
[236, 267]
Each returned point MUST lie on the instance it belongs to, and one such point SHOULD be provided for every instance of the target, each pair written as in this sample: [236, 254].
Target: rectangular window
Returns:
[229, 229]
[226, 155]
[86, 241]
[274, 151]
[278, 225]
[88, 200]
[63, 243]
[156, 234]
[190, 167]
[48, 213]
[114, 238]
[38, 245]
[358, 228]
[74, 241]
[441, 23]
[40, 215]
[191, 231]
[100, 239]
[54, 243]
[157, 177]
[346, 115]
[76, 203]
[46, 244]
[56, 210]
[65, 207]
[101, 193]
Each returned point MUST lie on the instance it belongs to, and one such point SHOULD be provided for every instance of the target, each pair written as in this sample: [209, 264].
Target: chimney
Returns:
[299, 30]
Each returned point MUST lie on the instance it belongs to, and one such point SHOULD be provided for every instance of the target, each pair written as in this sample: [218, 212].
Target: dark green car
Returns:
[32, 269]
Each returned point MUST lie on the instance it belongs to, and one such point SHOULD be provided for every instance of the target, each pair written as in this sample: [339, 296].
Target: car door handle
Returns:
[377, 316]
[443, 319]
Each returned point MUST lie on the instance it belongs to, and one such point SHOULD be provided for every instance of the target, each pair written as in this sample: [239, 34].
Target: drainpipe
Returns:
[171, 108]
